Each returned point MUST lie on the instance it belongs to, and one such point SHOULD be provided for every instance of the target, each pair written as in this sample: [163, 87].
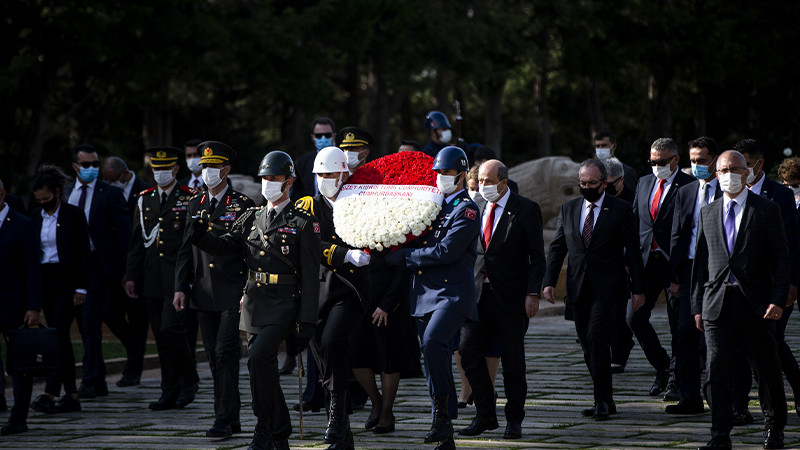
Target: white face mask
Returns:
[353, 159]
[446, 136]
[193, 164]
[730, 183]
[751, 177]
[662, 172]
[328, 187]
[211, 177]
[489, 192]
[271, 190]
[119, 184]
[163, 177]
[446, 183]
[603, 153]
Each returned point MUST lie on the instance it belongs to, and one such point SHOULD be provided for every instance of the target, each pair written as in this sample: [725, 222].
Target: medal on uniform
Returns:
[285, 249]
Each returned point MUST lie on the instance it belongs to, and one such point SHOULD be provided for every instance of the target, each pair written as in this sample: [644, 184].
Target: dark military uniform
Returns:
[281, 294]
[215, 283]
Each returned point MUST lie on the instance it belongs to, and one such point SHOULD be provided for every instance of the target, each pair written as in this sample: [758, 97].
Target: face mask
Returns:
[591, 194]
[271, 190]
[322, 142]
[163, 177]
[751, 177]
[489, 192]
[446, 136]
[211, 177]
[353, 159]
[328, 187]
[89, 174]
[700, 171]
[730, 183]
[611, 188]
[193, 164]
[446, 183]
[603, 153]
[476, 197]
[662, 172]
[50, 204]
[118, 184]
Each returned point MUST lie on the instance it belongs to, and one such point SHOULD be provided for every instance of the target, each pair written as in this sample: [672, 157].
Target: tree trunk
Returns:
[660, 105]
[493, 119]
[700, 113]
[543, 147]
[596, 119]
[379, 120]
[441, 92]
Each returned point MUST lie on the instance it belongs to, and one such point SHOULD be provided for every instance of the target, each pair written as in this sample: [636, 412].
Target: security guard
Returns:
[443, 285]
[215, 284]
[159, 223]
[343, 297]
[281, 247]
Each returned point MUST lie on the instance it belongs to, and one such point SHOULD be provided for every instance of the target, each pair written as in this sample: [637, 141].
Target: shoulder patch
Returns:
[305, 203]
[470, 213]
[148, 190]
[187, 189]
[316, 227]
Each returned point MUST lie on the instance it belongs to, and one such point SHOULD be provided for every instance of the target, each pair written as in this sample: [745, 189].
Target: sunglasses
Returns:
[662, 162]
[321, 135]
[87, 164]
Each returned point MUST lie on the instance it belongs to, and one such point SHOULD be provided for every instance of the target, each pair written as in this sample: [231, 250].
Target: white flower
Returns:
[378, 222]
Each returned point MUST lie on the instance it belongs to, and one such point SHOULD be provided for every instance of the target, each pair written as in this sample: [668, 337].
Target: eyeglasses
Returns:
[589, 184]
[321, 135]
[662, 162]
[87, 164]
[736, 170]
[615, 181]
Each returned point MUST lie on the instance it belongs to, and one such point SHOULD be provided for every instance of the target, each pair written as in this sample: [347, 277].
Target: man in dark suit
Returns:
[654, 206]
[759, 184]
[212, 285]
[688, 202]
[109, 234]
[513, 265]
[740, 282]
[323, 134]
[20, 298]
[605, 145]
[601, 245]
[195, 178]
[116, 173]
[15, 203]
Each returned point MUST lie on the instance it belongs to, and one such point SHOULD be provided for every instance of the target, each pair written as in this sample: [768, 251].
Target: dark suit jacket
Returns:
[628, 194]
[514, 260]
[110, 228]
[759, 262]
[600, 267]
[631, 178]
[303, 185]
[20, 275]
[661, 229]
[72, 242]
[682, 225]
[784, 197]
[15, 203]
[136, 189]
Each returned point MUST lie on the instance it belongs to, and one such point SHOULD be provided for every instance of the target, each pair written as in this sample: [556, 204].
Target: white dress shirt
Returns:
[48, 237]
[758, 185]
[4, 213]
[598, 206]
[499, 207]
[198, 178]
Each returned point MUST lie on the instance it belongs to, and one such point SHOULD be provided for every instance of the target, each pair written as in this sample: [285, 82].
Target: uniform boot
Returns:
[338, 423]
[262, 437]
[441, 427]
[346, 443]
[447, 444]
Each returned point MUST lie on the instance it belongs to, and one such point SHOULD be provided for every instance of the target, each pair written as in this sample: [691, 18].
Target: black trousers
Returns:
[621, 335]
[128, 318]
[269, 405]
[737, 326]
[688, 341]
[22, 388]
[656, 281]
[477, 338]
[223, 345]
[90, 322]
[593, 321]
[177, 366]
[332, 341]
[59, 312]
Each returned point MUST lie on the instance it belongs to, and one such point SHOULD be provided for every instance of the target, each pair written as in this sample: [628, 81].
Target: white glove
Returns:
[357, 257]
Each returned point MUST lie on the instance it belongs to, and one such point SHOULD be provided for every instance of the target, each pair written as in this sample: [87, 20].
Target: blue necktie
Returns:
[730, 231]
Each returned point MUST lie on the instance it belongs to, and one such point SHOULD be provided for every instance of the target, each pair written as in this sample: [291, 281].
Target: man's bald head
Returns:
[493, 173]
[731, 156]
[115, 169]
[494, 167]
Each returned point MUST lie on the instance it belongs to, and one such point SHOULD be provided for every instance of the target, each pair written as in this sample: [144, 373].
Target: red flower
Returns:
[402, 168]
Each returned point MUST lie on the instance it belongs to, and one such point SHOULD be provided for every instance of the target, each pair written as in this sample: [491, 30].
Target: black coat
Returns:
[661, 228]
[72, 242]
[20, 275]
[682, 225]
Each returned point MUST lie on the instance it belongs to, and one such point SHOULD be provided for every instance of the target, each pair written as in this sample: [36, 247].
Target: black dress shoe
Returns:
[187, 395]
[447, 444]
[288, 366]
[86, 391]
[479, 425]
[67, 404]
[773, 438]
[617, 368]
[660, 383]
[742, 417]
[306, 407]
[3, 404]
[513, 431]
[462, 405]
[262, 438]
[167, 401]
[44, 404]
[589, 412]
[13, 428]
[219, 430]
[128, 381]
[236, 427]
[718, 442]
[370, 423]
[686, 407]
[281, 444]
[672, 393]
[601, 411]
[383, 429]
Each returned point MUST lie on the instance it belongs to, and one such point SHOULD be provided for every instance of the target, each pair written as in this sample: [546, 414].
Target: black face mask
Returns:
[611, 189]
[591, 194]
[50, 204]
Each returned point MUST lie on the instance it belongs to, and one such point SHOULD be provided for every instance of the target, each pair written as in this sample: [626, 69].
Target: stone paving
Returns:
[558, 388]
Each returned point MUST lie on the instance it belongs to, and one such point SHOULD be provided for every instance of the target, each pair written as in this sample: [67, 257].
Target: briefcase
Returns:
[32, 351]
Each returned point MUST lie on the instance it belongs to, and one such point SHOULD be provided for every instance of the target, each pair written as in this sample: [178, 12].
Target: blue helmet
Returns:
[436, 119]
[451, 157]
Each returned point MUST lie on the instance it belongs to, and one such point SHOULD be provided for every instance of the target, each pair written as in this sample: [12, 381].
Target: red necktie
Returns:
[654, 206]
[487, 229]
[588, 225]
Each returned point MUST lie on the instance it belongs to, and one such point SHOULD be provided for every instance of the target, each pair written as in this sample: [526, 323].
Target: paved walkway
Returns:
[559, 387]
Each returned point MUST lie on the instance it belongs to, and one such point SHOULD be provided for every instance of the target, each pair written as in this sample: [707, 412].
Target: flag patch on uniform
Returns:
[287, 230]
[316, 227]
[470, 213]
[228, 216]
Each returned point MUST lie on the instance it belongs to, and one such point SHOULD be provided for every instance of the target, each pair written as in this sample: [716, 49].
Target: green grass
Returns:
[110, 350]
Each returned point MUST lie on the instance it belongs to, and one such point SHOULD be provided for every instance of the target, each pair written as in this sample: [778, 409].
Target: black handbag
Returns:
[32, 351]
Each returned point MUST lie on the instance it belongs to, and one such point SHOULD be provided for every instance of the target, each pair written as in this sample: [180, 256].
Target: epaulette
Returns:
[305, 204]
[147, 191]
[187, 189]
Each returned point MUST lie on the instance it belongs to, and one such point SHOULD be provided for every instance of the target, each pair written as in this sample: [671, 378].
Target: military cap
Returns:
[213, 152]
[354, 137]
[163, 157]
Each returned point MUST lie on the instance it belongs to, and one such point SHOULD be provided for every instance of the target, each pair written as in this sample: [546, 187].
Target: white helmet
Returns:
[330, 160]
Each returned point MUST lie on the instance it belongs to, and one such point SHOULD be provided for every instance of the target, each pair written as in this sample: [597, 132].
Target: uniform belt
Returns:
[273, 278]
